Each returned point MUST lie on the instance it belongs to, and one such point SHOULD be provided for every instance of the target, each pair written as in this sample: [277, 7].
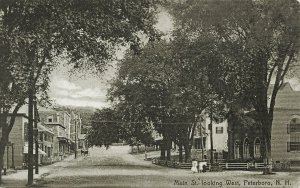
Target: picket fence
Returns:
[224, 165]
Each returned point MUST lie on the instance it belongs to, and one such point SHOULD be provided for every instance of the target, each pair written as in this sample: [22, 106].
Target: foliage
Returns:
[164, 86]
[105, 128]
[36, 34]
[109, 126]
[136, 129]
[245, 49]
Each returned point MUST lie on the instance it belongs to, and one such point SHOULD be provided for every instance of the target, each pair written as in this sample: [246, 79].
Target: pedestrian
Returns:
[194, 168]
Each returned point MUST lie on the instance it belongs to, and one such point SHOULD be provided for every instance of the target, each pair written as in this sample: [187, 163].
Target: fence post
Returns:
[255, 165]
[226, 165]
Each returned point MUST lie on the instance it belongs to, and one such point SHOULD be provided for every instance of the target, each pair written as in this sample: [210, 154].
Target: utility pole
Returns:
[36, 134]
[211, 133]
[75, 137]
[7, 155]
[30, 135]
[211, 139]
[12, 156]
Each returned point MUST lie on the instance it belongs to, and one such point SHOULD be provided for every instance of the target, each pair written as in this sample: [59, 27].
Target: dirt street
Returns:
[115, 167]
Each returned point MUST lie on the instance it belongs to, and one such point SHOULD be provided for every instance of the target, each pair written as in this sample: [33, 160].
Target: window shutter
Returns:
[288, 128]
[288, 146]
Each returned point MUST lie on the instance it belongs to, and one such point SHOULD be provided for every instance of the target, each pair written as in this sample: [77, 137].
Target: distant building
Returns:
[17, 148]
[45, 143]
[202, 139]
[82, 142]
[57, 132]
[245, 138]
[77, 139]
[59, 123]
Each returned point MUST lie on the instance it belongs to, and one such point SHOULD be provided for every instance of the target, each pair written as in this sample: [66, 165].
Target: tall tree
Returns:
[248, 48]
[166, 84]
[106, 128]
[37, 34]
[136, 127]
[144, 83]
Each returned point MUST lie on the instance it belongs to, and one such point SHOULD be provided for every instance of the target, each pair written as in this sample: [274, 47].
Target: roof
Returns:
[285, 86]
[44, 109]
[287, 97]
[44, 129]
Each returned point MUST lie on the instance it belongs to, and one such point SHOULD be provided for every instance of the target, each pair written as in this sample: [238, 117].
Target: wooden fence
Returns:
[224, 165]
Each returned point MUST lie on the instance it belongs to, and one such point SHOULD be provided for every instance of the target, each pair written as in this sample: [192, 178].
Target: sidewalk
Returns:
[20, 176]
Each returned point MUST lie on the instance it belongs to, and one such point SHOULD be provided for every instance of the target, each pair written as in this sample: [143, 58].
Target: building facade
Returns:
[17, 148]
[202, 142]
[56, 137]
[59, 123]
[246, 139]
[15, 153]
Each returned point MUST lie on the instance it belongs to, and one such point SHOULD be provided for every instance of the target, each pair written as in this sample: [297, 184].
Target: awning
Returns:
[41, 152]
[42, 128]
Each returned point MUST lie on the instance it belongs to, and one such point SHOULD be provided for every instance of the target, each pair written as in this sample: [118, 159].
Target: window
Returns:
[25, 131]
[219, 130]
[197, 143]
[246, 153]
[295, 125]
[257, 148]
[49, 152]
[294, 131]
[236, 150]
[204, 141]
[50, 119]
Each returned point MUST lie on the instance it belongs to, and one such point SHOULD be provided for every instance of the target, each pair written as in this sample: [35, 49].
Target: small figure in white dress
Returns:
[194, 168]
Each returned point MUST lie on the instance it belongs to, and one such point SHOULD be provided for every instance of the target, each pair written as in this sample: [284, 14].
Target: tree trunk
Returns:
[187, 153]
[162, 151]
[162, 154]
[3, 142]
[169, 146]
[267, 152]
[2, 149]
[145, 152]
[267, 158]
[168, 154]
[180, 153]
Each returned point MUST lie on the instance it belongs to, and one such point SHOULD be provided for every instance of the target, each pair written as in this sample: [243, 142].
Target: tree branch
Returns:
[14, 114]
[291, 55]
[270, 74]
[40, 66]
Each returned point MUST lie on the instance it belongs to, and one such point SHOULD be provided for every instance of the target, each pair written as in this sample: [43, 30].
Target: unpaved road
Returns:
[115, 167]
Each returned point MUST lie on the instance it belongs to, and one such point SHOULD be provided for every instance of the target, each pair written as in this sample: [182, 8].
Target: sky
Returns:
[89, 90]
[83, 89]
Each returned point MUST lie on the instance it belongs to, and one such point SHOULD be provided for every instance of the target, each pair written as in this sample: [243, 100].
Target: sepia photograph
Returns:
[150, 93]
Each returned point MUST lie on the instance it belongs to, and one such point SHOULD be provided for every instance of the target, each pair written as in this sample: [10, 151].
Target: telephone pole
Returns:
[75, 137]
[211, 139]
[30, 136]
[36, 134]
[211, 133]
